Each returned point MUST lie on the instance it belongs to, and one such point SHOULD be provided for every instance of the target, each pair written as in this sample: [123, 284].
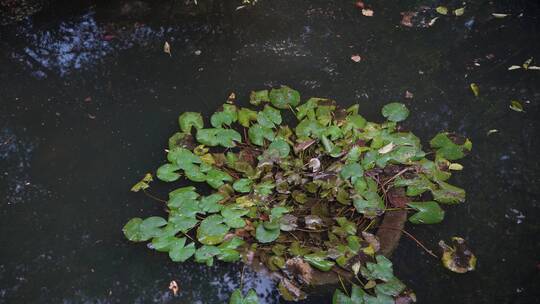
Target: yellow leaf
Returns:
[208, 158]
[370, 284]
[443, 10]
[455, 167]
[516, 106]
[143, 183]
[475, 89]
[459, 11]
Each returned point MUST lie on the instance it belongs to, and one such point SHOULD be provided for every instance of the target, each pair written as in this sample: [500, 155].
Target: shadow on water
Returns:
[88, 100]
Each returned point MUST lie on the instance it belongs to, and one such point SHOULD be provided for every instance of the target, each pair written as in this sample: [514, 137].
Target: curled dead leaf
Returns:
[356, 58]
[457, 258]
[367, 12]
[299, 269]
[314, 164]
[167, 48]
[173, 287]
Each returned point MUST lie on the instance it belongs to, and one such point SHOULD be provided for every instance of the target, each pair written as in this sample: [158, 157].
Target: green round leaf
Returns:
[167, 173]
[264, 235]
[281, 146]
[428, 213]
[190, 119]
[284, 97]
[212, 231]
[395, 111]
[242, 185]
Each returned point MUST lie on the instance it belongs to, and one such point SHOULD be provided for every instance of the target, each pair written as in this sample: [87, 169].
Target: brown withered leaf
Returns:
[299, 269]
[289, 291]
[398, 198]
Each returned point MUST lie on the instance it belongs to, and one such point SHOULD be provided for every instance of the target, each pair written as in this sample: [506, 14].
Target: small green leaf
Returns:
[448, 194]
[242, 185]
[167, 173]
[179, 252]
[269, 117]
[132, 230]
[216, 178]
[218, 137]
[232, 215]
[428, 213]
[381, 270]
[257, 134]
[391, 288]
[348, 226]
[190, 119]
[281, 146]
[245, 116]
[206, 254]
[257, 97]
[395, 111]
[211, 204]
[284, 97]
[212, 231]
[352, 171]
[341, 298]
[319, 261]
[225, 117]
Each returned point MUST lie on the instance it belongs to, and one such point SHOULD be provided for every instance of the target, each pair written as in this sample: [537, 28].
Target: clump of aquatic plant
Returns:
[299, 189]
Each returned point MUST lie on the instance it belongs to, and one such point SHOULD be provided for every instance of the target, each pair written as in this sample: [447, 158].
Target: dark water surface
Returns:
[88, 100]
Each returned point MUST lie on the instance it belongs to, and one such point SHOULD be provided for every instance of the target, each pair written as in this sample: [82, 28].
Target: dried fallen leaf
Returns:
[356, 267]
[367, 12]
[514, 67]
[359, 4]
[167, 48]
[533, 67]
[173, 286]
[314, 164]
[516, 106]
[387, 148]
[409, 95]
[443, 10]
[432, 21]
[527, 63]
[475, 89]
[455, 167]
[457, 258]
[492, 131]
[497, 15]
[356, 58]
[406, 20]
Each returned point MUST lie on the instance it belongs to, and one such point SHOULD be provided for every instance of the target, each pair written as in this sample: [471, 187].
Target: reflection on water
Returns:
[79, 43]
[15, 161]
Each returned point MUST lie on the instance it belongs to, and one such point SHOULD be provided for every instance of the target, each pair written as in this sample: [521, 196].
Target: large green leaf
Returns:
[190, 119]
[308, 128]
[218, 137]
[212, 231]
[395, 111]
[179, 252]
[447, 149]
[284, 97]
[232, 215]
[265, 235]
[216, 178]
[382, 270]
[211, 204]
[269, 117]
[225, 117]
[391, 288]
[428, 213]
